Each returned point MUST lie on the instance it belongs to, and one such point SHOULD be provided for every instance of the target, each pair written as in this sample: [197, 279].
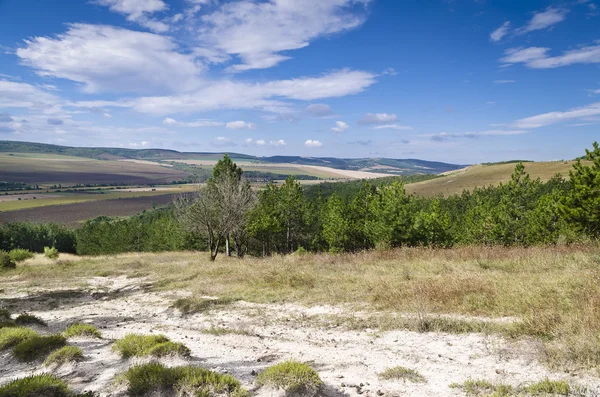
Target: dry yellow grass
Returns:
[486, 175]
[554, 291]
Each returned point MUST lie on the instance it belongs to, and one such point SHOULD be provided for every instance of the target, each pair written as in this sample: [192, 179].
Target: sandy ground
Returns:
[146, 162]
[347, 361]
[26, 196]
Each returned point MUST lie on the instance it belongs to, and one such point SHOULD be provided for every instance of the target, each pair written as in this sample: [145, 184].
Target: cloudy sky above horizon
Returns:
[461, 81]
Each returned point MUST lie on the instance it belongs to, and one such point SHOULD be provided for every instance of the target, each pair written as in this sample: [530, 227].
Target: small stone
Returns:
[253, 373]
[379, 393]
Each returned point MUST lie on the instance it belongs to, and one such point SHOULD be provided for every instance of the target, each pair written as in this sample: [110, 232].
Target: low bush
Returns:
[19, 255]
[44, 385]
[135, 345]
[402, 373]
[79, 329]
[38, 346]
[292, 376]
[29, 319]
[548, 387]
[51, 253]
[186, 381]
[10, 337]
[64, 355]
[5, 261]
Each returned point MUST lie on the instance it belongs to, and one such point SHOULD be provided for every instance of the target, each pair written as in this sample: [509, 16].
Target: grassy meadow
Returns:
[551, 294]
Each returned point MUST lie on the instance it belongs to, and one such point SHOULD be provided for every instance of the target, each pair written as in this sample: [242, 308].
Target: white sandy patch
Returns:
[345, 359]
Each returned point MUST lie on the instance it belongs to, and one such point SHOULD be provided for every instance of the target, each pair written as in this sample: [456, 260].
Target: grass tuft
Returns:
[35, 347]
[135, 345]
[548, 387]
[78, 329]
[187, 381]
[198, 305]
[64, 355]
[219, 331]
[10, 337]
[44, 385]
[294, 377]
[29, 319]
[402, 373]
[484, 388]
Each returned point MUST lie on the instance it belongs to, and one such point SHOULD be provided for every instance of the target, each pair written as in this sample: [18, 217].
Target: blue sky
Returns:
[461, 81]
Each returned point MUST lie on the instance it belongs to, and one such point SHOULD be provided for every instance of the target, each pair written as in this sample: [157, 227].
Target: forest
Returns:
[226, 215]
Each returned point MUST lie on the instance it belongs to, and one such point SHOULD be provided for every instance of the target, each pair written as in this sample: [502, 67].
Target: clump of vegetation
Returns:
[38, 346]
[78, 329]
[10, 337]
[39, 385]
[20, 254]
[64, 355]
[5, 261]
[188, 381]
[198, 305]
[135, 345]
[548, 387]
[292, 376]
[51, 253]
[5, 319]
[484, 388]
[218, 331]
[403, 374]
[29, 319]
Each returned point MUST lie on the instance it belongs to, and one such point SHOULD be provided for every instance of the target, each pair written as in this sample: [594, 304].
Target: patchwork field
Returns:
[414, 322]
[456, 182]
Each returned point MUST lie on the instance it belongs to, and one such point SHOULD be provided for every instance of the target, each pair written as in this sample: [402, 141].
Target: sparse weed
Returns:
[402, 373]
[198, 305]
[64, 355]
[294, 377]
[134, 345]
[85, 330]
[484, 388]
[218, 331]
[189, 381]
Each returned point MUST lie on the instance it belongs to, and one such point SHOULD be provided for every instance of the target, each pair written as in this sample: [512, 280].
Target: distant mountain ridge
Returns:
[380, 165]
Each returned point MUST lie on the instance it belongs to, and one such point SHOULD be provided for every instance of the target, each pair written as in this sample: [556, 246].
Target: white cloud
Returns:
[311, 143]
[138, 11]
[544, 19]
[393, 127]
[197, 123]
[504, 81]
[318, 110]
[499, 33]
[240, 125]
[379, 118]
[537, 57]
[490, 103]
[596, 91]
[545, 119]
[106, 58]
[261, 142]
[280, 142]
[444, 136]
[23, 95]
[257, 32]
[340, 126]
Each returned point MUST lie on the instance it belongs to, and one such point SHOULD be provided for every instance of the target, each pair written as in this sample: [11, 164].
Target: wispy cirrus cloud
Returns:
[377, 118]
[196, 124]
[538, 58]
[139, 11]
[394, 127]
[546, 119]
[499, 33]
[544, 19]
[444, 136]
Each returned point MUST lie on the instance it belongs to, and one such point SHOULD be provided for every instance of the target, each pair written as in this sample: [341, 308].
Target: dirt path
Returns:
[265, 334]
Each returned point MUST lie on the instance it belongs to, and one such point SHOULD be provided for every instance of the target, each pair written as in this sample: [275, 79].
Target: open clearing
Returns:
[455, 182]
[349, 316]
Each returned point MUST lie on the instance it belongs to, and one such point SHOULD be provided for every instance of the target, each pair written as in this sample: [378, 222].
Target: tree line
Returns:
[227, 215]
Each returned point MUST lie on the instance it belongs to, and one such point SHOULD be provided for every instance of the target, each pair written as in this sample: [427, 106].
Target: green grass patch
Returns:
[198, 305]
[78, 329]
[292, 376]
[19, 255]
[188, 381]
[402, 373]
[44, 385]
[10, 337]
[64, 355]
[36, 347]
[548, 387]
[219, 331]
[135, 345]
[484, 388]
[29, 319]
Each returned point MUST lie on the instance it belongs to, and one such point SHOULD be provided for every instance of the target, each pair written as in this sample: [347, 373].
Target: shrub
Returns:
[548, 387]
[38, 346]
[51, 252]
[5, 261]
[45, 385]
[10, 337]
[135, 345]
[19, 255]
[292, 376]
[402, 373]
[188, 381]
[28, 319]
[64, 355]
[79, 329]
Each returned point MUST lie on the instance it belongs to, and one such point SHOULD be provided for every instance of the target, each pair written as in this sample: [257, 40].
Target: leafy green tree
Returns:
[291, 212]
[336, 226]
[581, 207]
[264, 223]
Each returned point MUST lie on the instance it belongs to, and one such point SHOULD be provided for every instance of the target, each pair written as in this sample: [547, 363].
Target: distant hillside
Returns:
[379, 165]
